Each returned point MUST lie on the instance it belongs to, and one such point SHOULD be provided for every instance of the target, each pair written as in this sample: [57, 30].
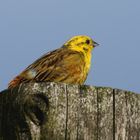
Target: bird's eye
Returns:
[87, 41]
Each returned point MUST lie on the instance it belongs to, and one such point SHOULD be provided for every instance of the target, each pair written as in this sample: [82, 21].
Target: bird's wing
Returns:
[56, 66]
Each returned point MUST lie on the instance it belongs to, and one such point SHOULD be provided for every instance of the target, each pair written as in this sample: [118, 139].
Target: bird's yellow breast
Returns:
[87, 59]
[88, 62]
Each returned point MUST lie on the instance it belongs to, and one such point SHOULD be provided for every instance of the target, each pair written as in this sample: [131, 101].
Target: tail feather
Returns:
[16, 81]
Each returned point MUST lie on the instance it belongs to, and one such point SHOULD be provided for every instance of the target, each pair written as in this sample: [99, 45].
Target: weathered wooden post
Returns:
[54, 111]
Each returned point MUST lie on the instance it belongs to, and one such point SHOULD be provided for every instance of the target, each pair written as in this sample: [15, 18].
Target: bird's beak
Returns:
[95, 44]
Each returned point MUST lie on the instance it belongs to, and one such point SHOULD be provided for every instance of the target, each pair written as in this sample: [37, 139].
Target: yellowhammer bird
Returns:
[68, 64]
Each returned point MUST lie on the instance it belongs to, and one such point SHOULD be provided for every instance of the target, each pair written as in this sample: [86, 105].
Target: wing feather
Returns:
[61, 65]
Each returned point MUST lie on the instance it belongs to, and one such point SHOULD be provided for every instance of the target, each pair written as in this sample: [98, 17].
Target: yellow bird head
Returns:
[81, 43]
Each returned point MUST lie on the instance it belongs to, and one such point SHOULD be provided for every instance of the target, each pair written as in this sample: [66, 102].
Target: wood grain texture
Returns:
[105, 113]
[54, 111]
[127, 115]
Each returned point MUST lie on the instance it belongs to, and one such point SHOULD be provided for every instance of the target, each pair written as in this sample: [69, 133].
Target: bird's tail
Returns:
[16, 81]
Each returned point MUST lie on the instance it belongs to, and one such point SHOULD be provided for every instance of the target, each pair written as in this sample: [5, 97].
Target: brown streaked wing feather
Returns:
[69, 69]
[61, 65]
[39, 66]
